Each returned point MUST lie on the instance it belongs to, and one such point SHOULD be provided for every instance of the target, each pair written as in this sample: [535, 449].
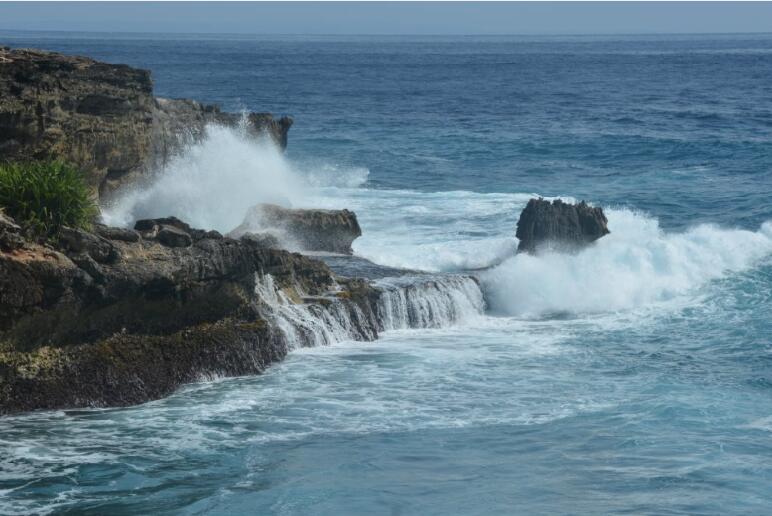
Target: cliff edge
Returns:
[101, 117]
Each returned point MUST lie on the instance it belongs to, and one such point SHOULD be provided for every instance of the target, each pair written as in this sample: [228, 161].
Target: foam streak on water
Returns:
[634, 377]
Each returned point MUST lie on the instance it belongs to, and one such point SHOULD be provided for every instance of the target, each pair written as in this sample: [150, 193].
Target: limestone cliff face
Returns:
[101, 117]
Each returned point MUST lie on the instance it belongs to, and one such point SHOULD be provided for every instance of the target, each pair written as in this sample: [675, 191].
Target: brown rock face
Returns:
[567, 226]
[120, 316]
[312, 230]
[101, 117]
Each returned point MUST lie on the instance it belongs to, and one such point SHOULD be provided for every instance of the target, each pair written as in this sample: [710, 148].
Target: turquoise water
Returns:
[635, 376]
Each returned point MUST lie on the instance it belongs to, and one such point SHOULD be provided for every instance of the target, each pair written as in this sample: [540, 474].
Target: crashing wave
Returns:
[637, 265]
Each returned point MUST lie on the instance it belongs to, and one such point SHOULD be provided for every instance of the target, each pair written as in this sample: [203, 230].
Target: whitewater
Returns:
[632, 376]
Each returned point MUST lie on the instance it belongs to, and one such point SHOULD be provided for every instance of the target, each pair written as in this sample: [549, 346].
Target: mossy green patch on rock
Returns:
[125, 369]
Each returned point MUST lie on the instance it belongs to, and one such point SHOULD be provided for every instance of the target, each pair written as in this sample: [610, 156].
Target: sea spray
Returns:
[212, 183]
[637, 265]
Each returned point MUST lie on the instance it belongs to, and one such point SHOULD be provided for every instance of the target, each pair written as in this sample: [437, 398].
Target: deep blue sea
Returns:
[633, 377]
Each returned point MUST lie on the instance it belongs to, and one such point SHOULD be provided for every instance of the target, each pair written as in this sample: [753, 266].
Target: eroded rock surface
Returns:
[117, 316]
[559, 224]
[101, 117]
[308, 229]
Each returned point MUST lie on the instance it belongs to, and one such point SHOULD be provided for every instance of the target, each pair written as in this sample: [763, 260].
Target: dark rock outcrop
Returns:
[559, 224]
[310, 230]
[101, 117]
[10, 234]
[119, 316]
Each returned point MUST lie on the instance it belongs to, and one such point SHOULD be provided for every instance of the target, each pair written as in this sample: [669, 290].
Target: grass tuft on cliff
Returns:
[43, 196]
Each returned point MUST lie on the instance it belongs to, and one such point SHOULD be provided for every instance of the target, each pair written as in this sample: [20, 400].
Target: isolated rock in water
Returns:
[101, 117]
[312, 230]
[558, 223]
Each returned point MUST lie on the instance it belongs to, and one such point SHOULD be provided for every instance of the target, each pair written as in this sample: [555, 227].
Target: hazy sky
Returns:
[390, 18]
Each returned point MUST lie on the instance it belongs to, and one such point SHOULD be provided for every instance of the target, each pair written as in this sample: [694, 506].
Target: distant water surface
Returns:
[634, 377]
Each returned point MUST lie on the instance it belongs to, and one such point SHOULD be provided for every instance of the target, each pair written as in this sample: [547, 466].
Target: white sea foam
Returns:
[431, 231]
[636, 265]
[212, 183]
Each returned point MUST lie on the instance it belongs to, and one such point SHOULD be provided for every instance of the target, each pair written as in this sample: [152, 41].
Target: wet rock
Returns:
[261, 240]
[151, 226]
[76, 331]
[173, 237]
[113, 233]
[559, 224]
[309, 229]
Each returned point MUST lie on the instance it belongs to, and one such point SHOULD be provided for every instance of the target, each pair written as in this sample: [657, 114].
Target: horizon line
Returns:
[392, 34]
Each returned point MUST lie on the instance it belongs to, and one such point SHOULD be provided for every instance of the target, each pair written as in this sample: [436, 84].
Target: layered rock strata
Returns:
[101, 117]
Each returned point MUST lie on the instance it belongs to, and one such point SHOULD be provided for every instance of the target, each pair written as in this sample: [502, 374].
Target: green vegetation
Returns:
[43, 196]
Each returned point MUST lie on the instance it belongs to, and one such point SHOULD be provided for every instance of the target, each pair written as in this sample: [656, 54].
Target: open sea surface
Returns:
[633, 377]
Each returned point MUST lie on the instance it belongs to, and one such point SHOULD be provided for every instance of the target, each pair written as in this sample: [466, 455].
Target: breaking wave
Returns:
[213, 182]
[638, 264]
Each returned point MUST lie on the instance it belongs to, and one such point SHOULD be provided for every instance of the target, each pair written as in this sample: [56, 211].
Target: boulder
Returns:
[112, 233]
[559, 224]
[172, 232]
[173, 237]
[102, 117]
[76, 241]
[10, 233]
[308, 229]
[262, 240]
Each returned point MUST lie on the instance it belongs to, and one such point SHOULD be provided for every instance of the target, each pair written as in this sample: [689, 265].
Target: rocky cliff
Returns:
[119, 316]
[559, 224]
[101, 117]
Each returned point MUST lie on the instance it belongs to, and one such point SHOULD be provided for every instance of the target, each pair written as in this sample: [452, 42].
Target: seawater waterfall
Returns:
[433, 301]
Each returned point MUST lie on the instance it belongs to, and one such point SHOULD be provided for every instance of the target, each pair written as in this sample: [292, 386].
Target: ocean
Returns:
[632, 377]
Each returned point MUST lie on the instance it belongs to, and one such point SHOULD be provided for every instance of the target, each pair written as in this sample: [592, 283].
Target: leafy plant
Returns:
[43, 196]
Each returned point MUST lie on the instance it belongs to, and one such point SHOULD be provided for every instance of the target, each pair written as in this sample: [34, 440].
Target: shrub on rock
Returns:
[45, 196]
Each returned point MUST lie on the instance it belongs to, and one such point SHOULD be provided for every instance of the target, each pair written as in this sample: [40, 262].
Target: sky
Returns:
[422, 18]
